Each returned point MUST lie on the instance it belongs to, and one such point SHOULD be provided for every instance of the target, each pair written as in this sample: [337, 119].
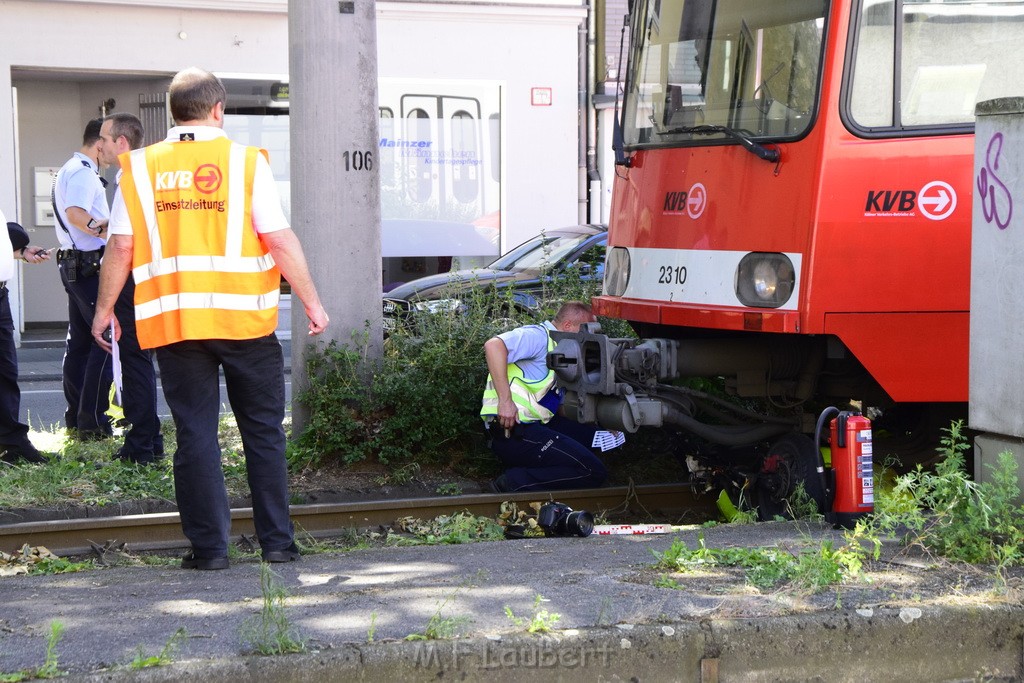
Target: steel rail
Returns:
[162, 531]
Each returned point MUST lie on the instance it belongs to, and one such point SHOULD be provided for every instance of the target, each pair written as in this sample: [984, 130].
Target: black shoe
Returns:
[23, 453]
[190, 561]
[91, 434]
[138, 458]
[500, 484]
[289, 554]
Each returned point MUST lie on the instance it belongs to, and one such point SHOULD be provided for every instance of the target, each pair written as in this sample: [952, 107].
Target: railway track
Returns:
[162, 531]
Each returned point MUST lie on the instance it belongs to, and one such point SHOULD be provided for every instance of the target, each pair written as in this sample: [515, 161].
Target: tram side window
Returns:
[950, 56]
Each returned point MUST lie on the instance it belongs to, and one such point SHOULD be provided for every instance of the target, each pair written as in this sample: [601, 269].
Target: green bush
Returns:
[422, 402]
[427, 394]
[337, 400]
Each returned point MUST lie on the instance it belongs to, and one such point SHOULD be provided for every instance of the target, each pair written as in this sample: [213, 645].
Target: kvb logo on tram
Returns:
[936, 201]
[692, 202]
[207, 179]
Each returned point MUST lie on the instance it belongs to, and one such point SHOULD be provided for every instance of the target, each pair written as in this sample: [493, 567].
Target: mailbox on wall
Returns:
[42, 183]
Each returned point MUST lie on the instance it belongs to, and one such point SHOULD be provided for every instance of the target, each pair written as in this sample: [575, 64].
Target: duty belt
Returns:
[72, 253]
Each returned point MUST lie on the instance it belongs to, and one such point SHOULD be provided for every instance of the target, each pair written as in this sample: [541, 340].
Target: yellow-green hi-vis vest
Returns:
[526, 394]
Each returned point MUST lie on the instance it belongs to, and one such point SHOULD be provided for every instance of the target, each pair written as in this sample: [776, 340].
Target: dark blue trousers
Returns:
[545, 457]
[12, 431]
[143, 442]
[254, 374]
[87, 367]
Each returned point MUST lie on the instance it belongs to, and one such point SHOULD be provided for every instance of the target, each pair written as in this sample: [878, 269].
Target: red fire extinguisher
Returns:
[850, 483]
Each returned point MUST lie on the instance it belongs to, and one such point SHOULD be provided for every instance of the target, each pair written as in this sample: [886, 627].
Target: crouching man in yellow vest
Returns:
[541, 450]
[197, 220]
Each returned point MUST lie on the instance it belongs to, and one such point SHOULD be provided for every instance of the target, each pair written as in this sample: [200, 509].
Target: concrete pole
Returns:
[334, 175]
[996, 409]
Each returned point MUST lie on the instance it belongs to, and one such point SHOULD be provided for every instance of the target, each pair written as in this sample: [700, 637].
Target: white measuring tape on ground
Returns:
[631, 529]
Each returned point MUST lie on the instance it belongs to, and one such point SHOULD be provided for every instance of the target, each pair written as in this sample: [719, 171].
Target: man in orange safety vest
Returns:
[198, 223]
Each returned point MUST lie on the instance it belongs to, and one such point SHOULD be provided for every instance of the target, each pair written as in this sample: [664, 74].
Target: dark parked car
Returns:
[525, 270]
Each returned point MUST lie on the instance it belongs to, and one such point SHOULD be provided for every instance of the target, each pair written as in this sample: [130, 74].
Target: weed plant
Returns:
[948, 514]
[163, 658]
[811, 568]
[449, 489]
[50, 667]
[542, 621]
[442, 628]
[371, 632]
[61, 565]
[271, 632]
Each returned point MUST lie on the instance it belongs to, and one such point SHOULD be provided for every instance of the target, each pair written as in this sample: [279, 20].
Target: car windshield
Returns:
[544, 251]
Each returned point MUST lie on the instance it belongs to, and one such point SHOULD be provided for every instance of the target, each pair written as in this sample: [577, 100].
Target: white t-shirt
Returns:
[267, 215]
[528, 348]
[7, 264]
[78, 184]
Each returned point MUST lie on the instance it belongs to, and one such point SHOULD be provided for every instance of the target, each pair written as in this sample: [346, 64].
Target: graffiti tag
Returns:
[996, 200]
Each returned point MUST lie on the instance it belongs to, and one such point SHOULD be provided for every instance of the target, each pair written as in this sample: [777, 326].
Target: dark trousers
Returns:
[138, 384]
[254, 374]
[545, 457]
[12, 431]
[87, 367]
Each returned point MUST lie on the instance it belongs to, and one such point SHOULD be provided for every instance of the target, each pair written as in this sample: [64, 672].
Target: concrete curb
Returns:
[907, 645]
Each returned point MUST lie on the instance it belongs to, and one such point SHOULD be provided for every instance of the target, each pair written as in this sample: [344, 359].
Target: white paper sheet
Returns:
[116, 365]
[607, 440]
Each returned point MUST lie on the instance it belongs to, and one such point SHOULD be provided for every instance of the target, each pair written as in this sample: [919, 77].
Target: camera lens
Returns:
[580, 523]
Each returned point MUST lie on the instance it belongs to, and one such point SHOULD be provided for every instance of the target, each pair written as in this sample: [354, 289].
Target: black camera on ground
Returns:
[558, 519]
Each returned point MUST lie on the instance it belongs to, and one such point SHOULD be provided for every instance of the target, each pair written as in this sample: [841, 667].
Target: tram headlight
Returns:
[765, 280]
[616, 271]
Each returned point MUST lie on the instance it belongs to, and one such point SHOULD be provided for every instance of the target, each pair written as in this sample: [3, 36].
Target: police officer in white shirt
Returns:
[80, 206]
[143, 442]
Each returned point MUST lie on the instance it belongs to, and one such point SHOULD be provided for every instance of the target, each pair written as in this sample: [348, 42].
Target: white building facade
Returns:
[64, 62]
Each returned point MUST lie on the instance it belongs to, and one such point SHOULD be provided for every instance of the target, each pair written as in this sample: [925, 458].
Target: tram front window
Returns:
[749, 65]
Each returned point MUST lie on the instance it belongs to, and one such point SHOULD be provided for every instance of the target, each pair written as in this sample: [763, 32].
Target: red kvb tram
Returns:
[791, 213]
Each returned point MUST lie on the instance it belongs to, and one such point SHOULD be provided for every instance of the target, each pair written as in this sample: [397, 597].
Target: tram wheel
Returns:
[792, 460]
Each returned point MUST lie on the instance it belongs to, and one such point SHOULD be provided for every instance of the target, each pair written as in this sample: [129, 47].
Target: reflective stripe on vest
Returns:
[183, 291]
[526, 394]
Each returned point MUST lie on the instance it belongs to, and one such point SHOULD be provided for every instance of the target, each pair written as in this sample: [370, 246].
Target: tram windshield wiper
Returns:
[755, 148]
